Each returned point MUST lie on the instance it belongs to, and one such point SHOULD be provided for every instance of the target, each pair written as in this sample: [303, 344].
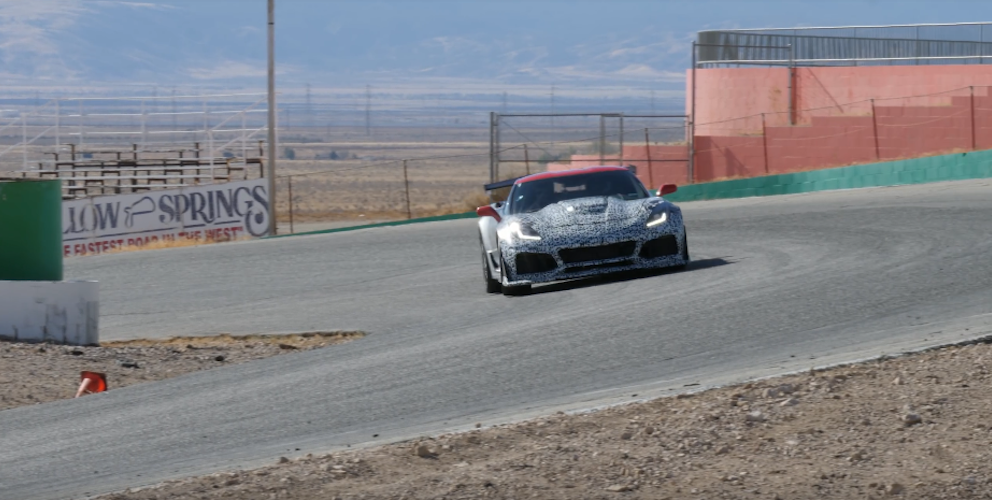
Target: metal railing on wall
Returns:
[848, 45]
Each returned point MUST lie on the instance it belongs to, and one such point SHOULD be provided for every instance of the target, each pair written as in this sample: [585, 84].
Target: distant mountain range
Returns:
[601, 48]
[402, 46]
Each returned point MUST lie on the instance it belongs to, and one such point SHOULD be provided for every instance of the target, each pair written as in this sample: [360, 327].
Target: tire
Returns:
[511, 290]
[492, 286]
[685, 251]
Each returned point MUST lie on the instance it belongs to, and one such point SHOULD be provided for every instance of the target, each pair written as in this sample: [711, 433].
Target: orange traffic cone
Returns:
[91, 382]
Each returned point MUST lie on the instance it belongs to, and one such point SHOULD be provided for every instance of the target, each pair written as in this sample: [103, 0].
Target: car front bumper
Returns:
[529, 262]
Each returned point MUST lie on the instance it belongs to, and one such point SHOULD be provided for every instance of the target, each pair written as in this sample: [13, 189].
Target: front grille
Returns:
[660, 247]
[602, 252]
[535, 263]
[579, 269]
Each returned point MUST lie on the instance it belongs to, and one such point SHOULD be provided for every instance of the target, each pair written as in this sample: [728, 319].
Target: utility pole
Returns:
[552, 106]
[368, 109]
[175, 119]
[272, 118]
[309, 110]
[552, 114]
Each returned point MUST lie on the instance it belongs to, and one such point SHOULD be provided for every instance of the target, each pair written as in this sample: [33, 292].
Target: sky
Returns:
[471, 45]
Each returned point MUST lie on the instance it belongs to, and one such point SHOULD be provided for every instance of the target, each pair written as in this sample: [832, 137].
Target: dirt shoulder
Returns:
[910, 427]
[39, 373]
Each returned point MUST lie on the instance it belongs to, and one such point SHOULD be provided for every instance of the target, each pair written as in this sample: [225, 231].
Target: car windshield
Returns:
[534, 195]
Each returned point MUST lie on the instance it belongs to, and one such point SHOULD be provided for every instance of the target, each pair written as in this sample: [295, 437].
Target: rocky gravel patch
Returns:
[39, 373]
[909, 427]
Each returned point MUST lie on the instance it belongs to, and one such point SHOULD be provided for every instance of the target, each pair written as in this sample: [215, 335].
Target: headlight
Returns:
[658, 216]
[518, 230]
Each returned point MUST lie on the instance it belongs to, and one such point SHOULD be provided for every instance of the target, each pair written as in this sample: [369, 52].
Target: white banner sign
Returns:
[227, 211]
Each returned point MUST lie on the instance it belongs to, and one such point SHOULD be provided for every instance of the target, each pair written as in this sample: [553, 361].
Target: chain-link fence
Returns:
[373, 188]
[354, 182]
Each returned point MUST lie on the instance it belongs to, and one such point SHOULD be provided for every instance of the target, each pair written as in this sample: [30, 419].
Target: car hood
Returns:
[589, 211]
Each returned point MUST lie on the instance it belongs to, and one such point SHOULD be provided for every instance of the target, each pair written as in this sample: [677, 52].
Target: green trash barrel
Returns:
[31, 230]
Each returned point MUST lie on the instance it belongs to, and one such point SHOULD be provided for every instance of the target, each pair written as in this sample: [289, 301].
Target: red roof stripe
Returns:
[566, 173]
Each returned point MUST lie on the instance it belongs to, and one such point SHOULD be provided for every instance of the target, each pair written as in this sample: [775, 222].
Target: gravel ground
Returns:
[39, 373]
[914, 426]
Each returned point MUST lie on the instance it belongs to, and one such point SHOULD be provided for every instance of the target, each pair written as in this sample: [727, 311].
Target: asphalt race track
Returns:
[778, 284]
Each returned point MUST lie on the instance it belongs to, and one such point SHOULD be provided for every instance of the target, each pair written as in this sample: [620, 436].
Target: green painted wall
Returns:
[973, 165]
[31, 230]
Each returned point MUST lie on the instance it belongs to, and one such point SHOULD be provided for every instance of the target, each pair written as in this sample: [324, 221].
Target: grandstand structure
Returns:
[118, 145]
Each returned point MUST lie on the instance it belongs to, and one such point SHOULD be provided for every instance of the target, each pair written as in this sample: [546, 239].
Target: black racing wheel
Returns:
[492, 286]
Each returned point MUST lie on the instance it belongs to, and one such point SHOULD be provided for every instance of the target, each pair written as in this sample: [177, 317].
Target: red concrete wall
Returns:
[730, 100]
[917, 111]
[668, 163]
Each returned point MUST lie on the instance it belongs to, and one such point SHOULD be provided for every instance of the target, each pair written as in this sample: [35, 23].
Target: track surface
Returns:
[778, 284]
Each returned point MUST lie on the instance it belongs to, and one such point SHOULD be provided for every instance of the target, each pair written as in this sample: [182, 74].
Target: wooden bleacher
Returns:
[94, 173]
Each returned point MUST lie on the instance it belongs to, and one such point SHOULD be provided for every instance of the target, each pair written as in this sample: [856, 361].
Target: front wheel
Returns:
[492, 286]
[685, 251]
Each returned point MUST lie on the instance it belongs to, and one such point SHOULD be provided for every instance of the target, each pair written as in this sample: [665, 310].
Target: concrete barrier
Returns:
[63, 312]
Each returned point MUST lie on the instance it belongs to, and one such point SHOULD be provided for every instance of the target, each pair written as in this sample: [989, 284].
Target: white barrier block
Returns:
[63, 312]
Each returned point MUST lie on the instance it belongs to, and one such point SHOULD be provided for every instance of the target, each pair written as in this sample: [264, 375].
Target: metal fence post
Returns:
[691, 174]
[272, 127]
[58, 120]
[647, 153]
[144, 125]
[496, 151]
[406, 185]
[602, 138]
[290, 186]
[620, 154]
[973, 143]
[526, 159]
[24, 140]
[81, 130]
[792, 90]
[874, 128]
[244, 137]
[492, 146]
[764, 141]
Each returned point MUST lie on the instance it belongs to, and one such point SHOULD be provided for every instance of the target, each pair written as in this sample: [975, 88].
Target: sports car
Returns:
[577, 223]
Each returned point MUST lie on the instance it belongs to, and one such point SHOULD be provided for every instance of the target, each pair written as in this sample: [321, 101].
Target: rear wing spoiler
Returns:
[509, 182]
[501, 184]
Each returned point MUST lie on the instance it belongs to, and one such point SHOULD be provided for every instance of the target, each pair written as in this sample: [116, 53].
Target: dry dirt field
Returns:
[369, 180]
[39, 373]
[914, 426]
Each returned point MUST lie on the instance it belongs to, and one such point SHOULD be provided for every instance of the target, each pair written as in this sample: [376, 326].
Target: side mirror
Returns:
[667, 189]
[488, 211]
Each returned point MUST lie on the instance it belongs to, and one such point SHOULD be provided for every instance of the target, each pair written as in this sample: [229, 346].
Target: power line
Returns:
[368, 109]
